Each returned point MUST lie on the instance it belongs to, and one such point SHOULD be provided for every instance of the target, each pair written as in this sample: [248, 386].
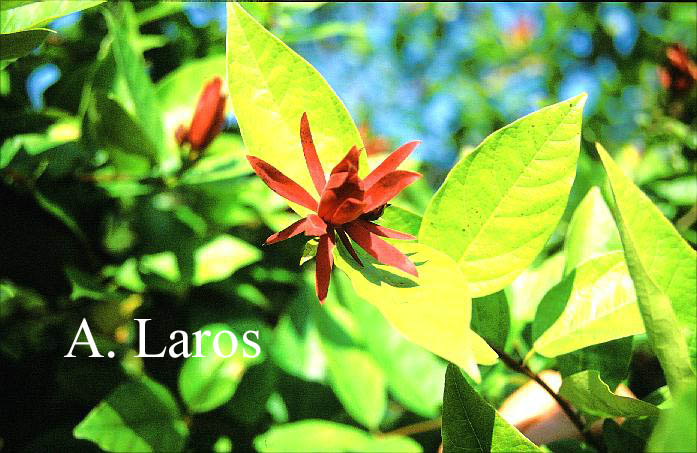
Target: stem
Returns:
[575, 418]
[417, 428]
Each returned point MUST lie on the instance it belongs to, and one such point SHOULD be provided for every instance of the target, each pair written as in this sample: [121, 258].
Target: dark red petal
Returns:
[205, 116]
[311, 158]
[384, 231]
[315, 226]
[181, 135]
[389, 164]
[379, 249]
[349, 163]
[347, 243]
[348, 210]
[323, 265]
[293, 230]
[340, 187]
[387, 188]
[281, 184]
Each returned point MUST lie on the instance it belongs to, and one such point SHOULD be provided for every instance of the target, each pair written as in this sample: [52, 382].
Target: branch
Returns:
[575, 418]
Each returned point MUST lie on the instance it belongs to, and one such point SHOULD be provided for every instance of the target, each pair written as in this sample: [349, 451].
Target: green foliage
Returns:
[322, 435]
[529, 246]
[500, 203]
[588, 393]
[594, 304]
[665, 282]
[471, 424]
[138, 416]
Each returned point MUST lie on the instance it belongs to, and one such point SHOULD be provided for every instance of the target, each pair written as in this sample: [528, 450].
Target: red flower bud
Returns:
[208, 119]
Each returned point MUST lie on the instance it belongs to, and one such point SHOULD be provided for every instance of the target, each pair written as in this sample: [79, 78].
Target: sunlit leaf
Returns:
[662, 266]
[270, 87]
[592, 231]
[414, 376]
[594, 304]
[139, 416]
[433, 310]
[501, 202]
[221, 257]
[588, 393]
[677, 427]
[326, 436]
[18, 16]
[210, 381]
[471, 424]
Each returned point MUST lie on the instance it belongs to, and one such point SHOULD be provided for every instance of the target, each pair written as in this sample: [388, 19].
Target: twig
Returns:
[417, 428]
[520, 367]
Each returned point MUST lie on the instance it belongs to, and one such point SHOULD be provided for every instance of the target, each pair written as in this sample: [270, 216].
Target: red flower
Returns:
[681, 72]
[208, 119]
[346, 207]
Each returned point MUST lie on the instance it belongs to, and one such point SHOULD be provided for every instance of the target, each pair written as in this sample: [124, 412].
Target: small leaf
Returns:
[588, 393]
[592, 231]
[139, 416]
[662, 266]
[221, 257]
[210, 381]
[326, 436]
[470, 424]
[401, 220]
[501, 202]
[270, 88]
[15, 45]
[676, 430]
[594, 304]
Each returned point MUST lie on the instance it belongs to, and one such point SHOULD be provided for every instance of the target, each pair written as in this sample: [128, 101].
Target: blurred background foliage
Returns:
[105, 217]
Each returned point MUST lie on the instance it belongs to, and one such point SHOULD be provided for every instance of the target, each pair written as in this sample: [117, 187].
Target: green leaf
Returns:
[662, 266]
[433, 310]
[491, 318]
[360, 387]
[588, 393]
[131, 65]
[270, 87]
[18, 16]
[680, 191]
[414, 376]
[592, 231]
[401, 220]
[210, 381]
[676, 430]
[139, 416]
[15, 45]
[610, 359]
[619, 440]
[470, 424]
[325, 436]
[594, 304]
[501, 202]
[221, 257]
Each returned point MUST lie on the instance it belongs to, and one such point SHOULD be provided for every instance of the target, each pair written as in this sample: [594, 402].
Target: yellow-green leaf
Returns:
[433, 310]
[221, 257]
[598, 303]
[501, 202]
[270, 87]
[662, 266]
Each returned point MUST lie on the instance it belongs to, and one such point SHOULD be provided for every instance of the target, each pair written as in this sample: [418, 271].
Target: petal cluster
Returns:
[208, 119]
[346, 208]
